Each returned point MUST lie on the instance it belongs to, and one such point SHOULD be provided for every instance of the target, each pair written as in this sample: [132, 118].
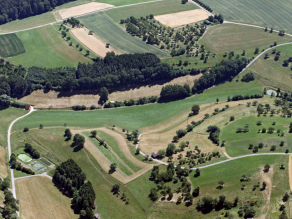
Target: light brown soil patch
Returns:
[93, 42]
[182, 18]
[39, 198]
[87, 98]
[3, 168]
[83, 9]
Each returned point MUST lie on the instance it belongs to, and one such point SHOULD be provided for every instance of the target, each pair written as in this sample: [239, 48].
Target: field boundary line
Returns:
[202, 8]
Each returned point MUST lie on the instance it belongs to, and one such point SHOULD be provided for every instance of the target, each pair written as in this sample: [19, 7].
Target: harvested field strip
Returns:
[93, 42]
[3, 167]
[271, 13]
[182, 18]
[83, 9]
[155, 8]
[290, 171]
[109, 155]
[124, 147]
[111, 33]
[116, 147]
[39, 198]
[10, 45]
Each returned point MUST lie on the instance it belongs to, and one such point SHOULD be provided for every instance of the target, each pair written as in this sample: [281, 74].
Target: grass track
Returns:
[46, 48]
[263, 13]
[10, 45]
[137, 116]
[108, 154]
[155, 8]
[111, 141]
[111, 33]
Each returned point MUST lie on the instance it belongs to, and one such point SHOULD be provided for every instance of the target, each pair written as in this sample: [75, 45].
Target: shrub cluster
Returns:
[140, 101]
[203, 5]
[32, 151]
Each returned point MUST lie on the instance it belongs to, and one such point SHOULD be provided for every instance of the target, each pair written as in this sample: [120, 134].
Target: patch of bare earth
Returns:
[267, 177]
[3, 168]
[93, 42]
[66, 99]
[182, 18]
[83, 9]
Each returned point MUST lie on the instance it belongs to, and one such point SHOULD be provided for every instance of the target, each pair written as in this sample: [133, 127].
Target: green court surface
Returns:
[24, 158]
[37, 166]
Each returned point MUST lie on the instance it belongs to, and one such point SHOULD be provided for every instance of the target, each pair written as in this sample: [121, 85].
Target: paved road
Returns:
[9, 148]
[105, 9]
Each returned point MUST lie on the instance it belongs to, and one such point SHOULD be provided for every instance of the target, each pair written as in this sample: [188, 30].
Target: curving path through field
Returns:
[9, 147]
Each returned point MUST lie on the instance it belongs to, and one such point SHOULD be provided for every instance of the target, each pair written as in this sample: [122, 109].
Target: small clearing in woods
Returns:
[3, 168]
[66, 99]
[83, 9]
[93, 42]
[182, 18]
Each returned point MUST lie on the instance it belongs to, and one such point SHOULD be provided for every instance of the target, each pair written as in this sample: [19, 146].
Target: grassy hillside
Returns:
[111, 33]
[237, 143]
[46, 48]
[27, 23]
[10, 45]
[267, 13]
[109, 205]
[232, 37]
[155, 8]
[137, 116]
[273, 72]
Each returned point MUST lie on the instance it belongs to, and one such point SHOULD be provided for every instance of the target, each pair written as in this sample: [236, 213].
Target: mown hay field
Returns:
[10, 45]
[274, 14]
[108, 31]
[39, 198]
[155, 8]
[232, 37]
[46, 48]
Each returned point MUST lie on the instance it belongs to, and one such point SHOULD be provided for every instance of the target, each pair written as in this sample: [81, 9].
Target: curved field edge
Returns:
[110, 32]
[10, 45]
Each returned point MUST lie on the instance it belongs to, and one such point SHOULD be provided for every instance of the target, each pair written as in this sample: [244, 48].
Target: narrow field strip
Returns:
[118, 148]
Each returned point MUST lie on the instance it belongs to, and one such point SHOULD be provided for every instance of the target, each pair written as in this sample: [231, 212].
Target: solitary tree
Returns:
[113, 167]
[103, 95]
[196, 109]
[93, 133]
[267, 168]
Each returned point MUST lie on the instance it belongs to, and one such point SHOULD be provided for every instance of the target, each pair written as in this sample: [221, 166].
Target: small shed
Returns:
[154, 154]
[112, 101]
[96, 216]
[18, 162]
[1, 206]
[27, 107]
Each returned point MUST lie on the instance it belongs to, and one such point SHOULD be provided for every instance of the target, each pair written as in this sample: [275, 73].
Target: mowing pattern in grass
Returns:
[111, 33]
[238, 143]
[108, 154]
[10, 45]
[137, 116]
[111, 141]
[268, 13]
[155, 8]
[232, 37]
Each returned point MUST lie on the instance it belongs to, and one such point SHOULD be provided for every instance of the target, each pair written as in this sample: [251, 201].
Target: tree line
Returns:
[19, 9]
[70, 177]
